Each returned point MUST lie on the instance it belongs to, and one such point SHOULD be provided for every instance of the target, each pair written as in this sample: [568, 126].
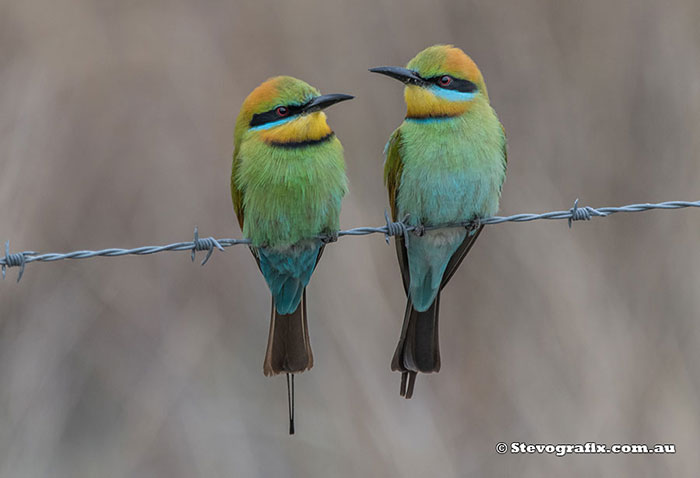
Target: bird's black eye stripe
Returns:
[272, 115]
[458, 84]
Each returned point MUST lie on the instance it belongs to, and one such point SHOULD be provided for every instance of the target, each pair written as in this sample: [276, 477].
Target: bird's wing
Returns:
[505, 154]
[393, 167]
[459, 256]
[236, 193]
[505, 149]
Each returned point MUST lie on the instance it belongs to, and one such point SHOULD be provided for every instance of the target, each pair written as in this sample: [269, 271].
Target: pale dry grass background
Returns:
[116, 124]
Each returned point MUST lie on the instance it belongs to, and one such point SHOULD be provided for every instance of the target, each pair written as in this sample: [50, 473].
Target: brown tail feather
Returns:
[418, 349]
[288, 345]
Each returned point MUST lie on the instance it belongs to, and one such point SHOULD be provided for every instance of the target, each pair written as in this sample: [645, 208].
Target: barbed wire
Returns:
[391, 228]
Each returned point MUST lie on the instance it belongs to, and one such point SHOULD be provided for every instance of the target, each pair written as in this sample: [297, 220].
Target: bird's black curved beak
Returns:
[324, 101]
[404, 75]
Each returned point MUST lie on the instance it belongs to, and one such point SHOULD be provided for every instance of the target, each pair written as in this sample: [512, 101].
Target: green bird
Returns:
[287, 184]
[445, 164]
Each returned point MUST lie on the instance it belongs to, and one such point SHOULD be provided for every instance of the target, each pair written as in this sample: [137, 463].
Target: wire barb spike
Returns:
[397, 228]
[14, 260]
[204, 244]
[578, 214]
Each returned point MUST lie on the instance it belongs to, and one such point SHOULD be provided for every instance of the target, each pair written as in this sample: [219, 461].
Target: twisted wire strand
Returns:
[392, 228]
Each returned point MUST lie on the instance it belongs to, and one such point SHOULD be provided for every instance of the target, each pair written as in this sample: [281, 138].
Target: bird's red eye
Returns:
[282, 111]
[445, 80]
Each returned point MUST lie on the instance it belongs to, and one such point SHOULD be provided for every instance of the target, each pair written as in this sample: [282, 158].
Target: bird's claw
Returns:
[473, 225]
[329, 237]
[419, 230]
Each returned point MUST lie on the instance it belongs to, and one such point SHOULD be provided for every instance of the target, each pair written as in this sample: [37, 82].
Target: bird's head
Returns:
[285, 111]
[441, 81]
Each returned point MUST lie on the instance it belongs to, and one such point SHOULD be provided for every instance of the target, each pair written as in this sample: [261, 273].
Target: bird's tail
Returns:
[288, 349]
[418, 349]
[288, 346]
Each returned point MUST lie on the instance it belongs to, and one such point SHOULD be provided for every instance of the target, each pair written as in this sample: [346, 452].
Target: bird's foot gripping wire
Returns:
[473, 225]
[408, 382]
[419, 230]
[329, 237]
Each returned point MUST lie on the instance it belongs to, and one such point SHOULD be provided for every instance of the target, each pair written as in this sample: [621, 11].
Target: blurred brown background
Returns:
[116, 123]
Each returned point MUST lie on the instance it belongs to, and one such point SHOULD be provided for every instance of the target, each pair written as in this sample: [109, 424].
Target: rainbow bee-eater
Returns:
[445, 164]
[287, 183]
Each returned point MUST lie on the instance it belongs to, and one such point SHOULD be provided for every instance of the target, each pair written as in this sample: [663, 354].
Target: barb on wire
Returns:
[398, 228]
[15, 260]
[206, 244]
[391, 228]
